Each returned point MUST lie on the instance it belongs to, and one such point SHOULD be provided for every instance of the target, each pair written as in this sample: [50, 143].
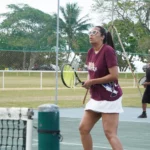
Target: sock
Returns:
[144, 112]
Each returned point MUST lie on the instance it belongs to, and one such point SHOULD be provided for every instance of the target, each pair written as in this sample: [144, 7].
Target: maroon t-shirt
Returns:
[98, 65]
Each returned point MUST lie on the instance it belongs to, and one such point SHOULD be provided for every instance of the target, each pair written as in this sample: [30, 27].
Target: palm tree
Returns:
[71, 24]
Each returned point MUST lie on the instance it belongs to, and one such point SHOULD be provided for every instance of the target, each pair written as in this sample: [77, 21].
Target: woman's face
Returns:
[95, 36]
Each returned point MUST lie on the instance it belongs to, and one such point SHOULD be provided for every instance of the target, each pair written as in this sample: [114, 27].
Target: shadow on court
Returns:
[134, 133]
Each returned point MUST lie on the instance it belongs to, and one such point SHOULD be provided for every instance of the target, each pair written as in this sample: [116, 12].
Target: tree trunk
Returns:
[24, 60]
[32, 60]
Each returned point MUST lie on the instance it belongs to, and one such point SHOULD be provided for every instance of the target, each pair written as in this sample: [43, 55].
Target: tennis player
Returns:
[106, 94]
[146, 95]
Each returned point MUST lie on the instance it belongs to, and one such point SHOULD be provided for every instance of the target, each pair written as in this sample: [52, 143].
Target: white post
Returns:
[41, 82]
[29, 134]
[3, 81]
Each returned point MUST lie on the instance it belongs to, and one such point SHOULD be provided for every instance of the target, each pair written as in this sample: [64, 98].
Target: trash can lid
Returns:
[48, 108]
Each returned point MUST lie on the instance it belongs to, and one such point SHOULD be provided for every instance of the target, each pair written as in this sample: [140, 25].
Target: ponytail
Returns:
[108, 37]
[109, 40]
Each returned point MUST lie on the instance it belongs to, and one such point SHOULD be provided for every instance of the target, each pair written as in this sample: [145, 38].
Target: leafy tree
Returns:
[128, 39]
[71, 25]
[32, 32]
[27, 29]
[83, 46]
[132, 19]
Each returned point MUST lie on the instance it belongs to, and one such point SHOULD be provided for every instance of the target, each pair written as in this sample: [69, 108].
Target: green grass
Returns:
[24, 90]
[66, 97]
[36, 104]
[132, 97]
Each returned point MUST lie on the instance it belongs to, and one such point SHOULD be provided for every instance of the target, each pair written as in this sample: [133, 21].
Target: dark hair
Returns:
[108, 37]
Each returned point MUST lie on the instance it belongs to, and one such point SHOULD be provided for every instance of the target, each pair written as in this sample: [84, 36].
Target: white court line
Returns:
[73, 144]
[76, 144]
[138, 121]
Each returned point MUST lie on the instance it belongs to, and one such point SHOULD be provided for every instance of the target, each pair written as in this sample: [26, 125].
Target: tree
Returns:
[134, 23]
[71, 25]
[136, 10]
[27, 29]
[128, 39]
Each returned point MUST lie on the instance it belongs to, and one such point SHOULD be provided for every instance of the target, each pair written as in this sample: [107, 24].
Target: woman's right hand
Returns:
[87, 84]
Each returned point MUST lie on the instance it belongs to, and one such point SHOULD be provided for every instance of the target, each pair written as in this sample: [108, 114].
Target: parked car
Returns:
[43, 67]
[55, 67]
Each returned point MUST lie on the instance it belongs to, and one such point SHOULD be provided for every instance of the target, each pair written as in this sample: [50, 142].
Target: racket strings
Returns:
[142, 80]
[69, 77]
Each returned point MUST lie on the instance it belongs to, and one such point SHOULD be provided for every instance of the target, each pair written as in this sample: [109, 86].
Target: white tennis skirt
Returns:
[105, 106]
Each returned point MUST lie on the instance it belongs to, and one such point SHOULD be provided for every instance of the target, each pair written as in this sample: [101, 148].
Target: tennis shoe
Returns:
[143, 115]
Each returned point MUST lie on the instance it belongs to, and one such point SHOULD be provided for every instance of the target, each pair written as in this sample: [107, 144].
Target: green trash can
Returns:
[48, 127]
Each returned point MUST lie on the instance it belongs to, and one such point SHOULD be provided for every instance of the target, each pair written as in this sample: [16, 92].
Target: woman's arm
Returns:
[112, 76]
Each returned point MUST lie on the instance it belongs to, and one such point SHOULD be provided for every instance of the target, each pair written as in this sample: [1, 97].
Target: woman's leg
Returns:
[86, 124]
[110, 125]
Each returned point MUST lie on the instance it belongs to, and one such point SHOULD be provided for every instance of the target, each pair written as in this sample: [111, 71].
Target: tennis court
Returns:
[133, 132]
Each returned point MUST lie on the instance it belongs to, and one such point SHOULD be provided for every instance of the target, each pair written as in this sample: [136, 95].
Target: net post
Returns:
[29, 129]
[48, 127]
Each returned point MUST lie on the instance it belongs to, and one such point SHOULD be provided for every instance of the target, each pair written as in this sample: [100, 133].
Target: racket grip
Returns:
[82, 83]
[85, 96]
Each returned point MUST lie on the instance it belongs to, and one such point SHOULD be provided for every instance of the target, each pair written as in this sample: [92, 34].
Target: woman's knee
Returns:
[109, 134]
[83, 129]
[110, 125]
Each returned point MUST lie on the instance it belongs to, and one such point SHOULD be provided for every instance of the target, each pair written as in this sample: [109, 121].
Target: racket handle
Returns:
[85, 96]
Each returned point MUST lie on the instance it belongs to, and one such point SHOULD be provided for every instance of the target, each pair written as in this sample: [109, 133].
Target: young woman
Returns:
[106, 94]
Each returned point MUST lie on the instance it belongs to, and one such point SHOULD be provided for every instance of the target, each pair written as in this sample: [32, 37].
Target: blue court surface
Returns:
[133, 132]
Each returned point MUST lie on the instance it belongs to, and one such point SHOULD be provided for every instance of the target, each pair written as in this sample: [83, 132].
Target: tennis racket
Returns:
[69, 76]
[142, 80]
[85, 96]
[71, 79]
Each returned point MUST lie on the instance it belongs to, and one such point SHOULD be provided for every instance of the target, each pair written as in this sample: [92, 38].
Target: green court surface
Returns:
[134, 133]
